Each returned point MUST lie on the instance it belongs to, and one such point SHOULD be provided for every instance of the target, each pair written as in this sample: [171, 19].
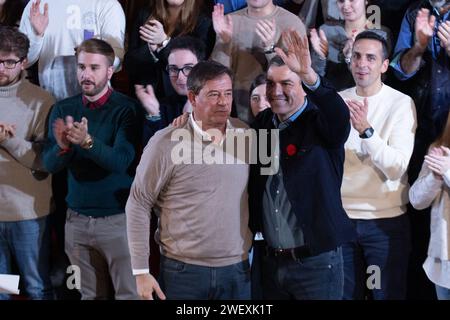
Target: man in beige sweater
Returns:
[375, 185]
[198, 187]
[24, 189]
[245, 41]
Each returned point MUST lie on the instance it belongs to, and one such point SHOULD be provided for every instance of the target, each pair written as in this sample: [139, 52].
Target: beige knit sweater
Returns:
[24, 191]
[203, 208]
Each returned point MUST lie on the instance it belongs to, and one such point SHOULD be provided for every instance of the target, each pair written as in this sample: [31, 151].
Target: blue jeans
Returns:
[320, 277]
[442, 293]
[183, 281]
[28, 242]
[384, 246]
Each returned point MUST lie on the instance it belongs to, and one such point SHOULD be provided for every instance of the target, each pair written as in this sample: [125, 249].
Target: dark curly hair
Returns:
[14, 41]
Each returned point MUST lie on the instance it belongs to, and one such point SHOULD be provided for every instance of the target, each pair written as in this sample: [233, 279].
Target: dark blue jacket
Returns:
[311, 157]
[429, 86]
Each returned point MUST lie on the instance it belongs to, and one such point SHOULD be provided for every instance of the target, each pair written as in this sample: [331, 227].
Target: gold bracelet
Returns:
[88, 143]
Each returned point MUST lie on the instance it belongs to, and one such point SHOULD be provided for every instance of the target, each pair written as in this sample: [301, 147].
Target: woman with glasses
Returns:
[183, 54]
[155, 27]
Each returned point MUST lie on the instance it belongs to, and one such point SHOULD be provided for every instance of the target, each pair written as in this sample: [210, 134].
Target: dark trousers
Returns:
[381, 250]
[28, 243]
[183, 281]
[318, 277]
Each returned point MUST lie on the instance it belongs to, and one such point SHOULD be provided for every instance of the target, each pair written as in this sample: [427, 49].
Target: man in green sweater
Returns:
[24, 189]
[93, 135]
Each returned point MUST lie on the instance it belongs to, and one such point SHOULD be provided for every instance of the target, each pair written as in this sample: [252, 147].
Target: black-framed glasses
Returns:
[9, 63]
[173, 71]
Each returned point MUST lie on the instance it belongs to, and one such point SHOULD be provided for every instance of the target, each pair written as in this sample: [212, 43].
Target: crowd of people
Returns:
[286, 149]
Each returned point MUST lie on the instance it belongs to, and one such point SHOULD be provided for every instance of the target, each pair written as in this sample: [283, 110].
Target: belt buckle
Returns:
[278, 252]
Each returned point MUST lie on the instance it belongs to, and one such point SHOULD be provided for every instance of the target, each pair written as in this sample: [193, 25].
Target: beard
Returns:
[8, 80]
[93, 88]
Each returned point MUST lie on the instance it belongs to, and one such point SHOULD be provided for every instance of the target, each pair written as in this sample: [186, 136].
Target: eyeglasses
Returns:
[173, 71]
[10, 64]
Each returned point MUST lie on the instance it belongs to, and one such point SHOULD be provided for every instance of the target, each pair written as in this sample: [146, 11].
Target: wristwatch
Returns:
[88, 143]
[270, 49]
[164, 43]
[367, 133]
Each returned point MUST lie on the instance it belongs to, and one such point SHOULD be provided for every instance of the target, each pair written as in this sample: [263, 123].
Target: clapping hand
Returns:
[223, 25]
[39, 21]
[146, 96]
[319, 43]
[266, 30]
[438, 160]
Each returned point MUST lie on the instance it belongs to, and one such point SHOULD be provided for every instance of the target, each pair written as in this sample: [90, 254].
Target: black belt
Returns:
[294, 253]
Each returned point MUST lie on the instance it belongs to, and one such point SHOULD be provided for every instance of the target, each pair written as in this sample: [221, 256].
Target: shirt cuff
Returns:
[446, 177]
[373, 144]
[396, 65]
[137, 272]
[315, 85]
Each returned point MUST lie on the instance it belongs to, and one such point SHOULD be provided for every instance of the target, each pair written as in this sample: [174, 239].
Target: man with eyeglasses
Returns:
[184, 53]
[25, 190]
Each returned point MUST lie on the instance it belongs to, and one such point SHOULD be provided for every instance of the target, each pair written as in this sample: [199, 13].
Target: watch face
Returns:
[368, 133]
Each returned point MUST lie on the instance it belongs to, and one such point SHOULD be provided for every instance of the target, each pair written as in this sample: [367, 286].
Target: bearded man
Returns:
[99, 159]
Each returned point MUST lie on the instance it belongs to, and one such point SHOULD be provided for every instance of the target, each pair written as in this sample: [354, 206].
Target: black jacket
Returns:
[311, 158]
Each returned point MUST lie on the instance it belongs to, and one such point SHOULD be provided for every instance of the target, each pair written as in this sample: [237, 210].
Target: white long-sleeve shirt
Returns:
[71, 22]
[375, 181]
[431, 191]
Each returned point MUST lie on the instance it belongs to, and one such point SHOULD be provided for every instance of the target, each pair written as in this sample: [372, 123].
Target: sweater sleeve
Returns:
[426, 188]
[205, 32]
[118, 157]
[36, 41]
[392, 156]
[139, 62]
[28, 151]
[152, 175]
[222, 51]
[333, 122]
[112, 29]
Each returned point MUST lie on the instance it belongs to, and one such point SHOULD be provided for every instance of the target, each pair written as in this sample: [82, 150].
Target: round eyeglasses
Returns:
[173, 71]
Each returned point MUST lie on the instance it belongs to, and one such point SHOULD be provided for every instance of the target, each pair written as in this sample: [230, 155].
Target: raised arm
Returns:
[333, 121]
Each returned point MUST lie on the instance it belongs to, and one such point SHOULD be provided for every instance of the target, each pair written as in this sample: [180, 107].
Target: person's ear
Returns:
[110, 72]
[385, 66]
[191, 98]
[24, 64]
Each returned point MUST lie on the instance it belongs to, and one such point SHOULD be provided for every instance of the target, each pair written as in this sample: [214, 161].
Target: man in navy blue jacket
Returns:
[299, 208]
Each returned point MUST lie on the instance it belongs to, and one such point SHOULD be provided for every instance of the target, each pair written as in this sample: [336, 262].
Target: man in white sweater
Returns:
[56, 27]
[375, 187]
[24, 189]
